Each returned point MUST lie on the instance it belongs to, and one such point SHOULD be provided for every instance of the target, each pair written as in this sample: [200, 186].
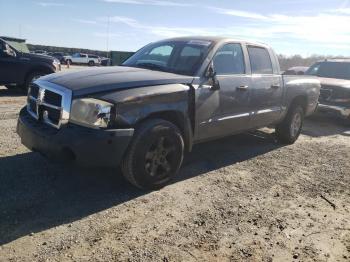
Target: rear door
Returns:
[225, 111]
[267, 87]
[79, 58]
[84, 59]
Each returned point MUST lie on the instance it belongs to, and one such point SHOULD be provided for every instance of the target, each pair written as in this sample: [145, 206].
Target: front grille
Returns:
[32, 106]
[52, 98]
[49, 103]
[334, 93]
[34, 90]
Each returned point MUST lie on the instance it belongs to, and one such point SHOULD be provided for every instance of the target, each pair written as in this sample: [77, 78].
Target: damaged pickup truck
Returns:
[170, 95]
[334, 76]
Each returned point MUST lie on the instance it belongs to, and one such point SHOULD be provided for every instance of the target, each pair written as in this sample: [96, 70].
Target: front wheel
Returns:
[155, 154]
[289, 130]
[91, 63]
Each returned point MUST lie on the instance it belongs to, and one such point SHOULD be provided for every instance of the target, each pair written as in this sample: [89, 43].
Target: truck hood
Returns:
[334, 82]
[96, 80]
[37, 57]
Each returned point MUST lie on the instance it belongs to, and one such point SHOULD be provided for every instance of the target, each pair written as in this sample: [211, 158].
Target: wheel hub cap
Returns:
[157, 158]
[296, 124]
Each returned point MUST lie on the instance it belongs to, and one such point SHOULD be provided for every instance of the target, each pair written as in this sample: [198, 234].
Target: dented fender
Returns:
[171, 102]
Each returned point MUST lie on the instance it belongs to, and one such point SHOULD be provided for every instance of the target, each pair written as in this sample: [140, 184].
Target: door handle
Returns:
[275, 86]
[242, 88]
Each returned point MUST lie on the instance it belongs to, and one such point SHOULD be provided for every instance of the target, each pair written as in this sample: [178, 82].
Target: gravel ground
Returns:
[244, 197]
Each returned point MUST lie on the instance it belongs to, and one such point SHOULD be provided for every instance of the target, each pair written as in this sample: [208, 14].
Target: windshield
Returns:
[180, 57]
[338, 70]
[19, 46]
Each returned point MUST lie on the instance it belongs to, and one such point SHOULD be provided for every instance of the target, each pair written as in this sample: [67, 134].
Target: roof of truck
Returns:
[338, 60]
[215, 39]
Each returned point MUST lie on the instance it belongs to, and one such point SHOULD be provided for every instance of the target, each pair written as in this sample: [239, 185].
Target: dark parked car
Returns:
[334, 76]
[40, 52]
[105, 61]
[164, 99]
[60, 56]
[296, 70]
[20, 69]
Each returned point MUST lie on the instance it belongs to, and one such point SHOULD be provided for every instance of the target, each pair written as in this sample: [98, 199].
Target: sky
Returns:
[291, 27]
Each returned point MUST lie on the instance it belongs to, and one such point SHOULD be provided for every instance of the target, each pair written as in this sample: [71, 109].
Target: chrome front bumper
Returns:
[343, 112]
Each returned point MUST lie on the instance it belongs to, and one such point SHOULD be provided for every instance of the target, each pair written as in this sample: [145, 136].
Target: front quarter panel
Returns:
[134, 105]
[308, 87]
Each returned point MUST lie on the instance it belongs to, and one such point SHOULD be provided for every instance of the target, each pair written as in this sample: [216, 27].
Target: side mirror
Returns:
[211, 74]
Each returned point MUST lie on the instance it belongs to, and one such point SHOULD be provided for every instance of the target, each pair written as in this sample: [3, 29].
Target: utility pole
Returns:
[19, 31]
[108, 24]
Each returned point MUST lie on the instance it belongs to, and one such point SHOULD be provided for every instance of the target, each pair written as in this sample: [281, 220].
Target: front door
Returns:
[267, 88]
[225, 111]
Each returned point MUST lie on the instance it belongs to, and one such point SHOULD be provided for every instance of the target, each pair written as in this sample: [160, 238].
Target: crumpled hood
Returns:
[335, 82]
[96, 80]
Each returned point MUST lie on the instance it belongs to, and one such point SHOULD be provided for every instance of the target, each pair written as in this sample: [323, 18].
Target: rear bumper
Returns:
[80, 145]
[341, 111]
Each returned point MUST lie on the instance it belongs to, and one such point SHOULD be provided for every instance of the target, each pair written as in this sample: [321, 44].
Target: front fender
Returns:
[133, 105]
[170, 102]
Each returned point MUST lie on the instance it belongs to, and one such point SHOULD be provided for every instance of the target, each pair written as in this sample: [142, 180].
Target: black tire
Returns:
[147, 165]
[10, 86]
[91, 63]
[289, 130]
[30, 78]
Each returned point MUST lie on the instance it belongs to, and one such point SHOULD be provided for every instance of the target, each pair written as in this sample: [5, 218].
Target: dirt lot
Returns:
[245, 197]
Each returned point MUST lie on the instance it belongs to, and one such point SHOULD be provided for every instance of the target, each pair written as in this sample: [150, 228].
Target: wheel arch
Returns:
[179, 119]
[301, 100]
[43, 69]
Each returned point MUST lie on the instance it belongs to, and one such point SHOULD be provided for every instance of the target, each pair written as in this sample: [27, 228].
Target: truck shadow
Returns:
[320, 125]
[36, 195]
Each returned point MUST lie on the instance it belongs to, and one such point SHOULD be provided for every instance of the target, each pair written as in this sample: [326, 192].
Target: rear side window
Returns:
[229, 60]
[260, 60]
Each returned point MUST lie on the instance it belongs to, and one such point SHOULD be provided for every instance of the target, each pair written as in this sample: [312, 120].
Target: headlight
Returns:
[91, 112]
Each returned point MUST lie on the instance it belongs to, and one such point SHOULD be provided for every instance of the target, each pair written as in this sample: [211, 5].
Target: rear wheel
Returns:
[91, 63]
[155, 154]
[289, 130]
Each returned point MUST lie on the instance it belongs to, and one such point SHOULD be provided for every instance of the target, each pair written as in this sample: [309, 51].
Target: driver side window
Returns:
[229, 60]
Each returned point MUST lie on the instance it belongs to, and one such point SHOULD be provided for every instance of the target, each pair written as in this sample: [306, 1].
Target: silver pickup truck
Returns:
[170, 95]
